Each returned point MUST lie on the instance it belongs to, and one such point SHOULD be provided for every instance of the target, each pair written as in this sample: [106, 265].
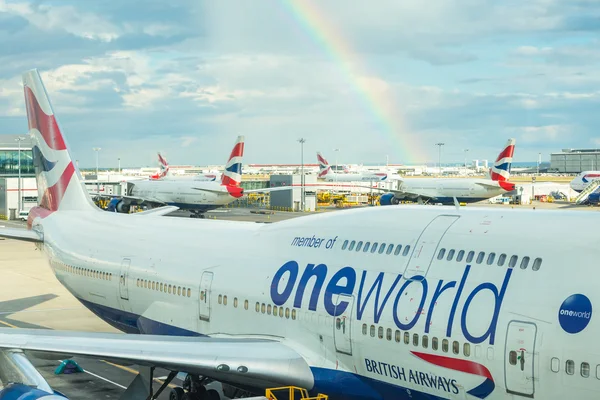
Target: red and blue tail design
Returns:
[232, 176]
[470, 367]
[324, 167]
[58, 180]
[500, 171]
[164, 168]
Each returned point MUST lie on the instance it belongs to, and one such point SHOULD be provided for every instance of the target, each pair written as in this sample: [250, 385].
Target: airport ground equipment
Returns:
[589, 189]
[292, 393]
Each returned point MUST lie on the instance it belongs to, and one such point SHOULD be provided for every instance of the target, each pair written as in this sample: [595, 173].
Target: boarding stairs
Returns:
[585, 193]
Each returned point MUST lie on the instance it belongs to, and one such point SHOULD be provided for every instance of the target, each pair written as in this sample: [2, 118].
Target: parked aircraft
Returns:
[165, 173]
[466, 190]
[328, 175]
[583, 179]
[375, 303]
[190, 194]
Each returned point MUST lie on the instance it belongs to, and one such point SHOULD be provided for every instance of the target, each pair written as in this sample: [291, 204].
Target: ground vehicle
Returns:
[23, 215]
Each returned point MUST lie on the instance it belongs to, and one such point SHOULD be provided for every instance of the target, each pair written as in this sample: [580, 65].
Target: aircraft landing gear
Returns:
[197, 214]
[193, 389]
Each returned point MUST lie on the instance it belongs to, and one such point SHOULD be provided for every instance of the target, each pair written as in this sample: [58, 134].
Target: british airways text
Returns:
[412, 376]
[416, 297]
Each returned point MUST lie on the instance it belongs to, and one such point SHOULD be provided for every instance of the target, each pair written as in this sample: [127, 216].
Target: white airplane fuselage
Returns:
[444, 190]
[583, 179]
[351, 177]
[186, 194]
[366, 322]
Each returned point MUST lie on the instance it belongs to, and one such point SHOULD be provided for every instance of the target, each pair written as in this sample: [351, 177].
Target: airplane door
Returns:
[205, 284]
[519, 358]
[123, 279]
[342, 325]
[427, 244]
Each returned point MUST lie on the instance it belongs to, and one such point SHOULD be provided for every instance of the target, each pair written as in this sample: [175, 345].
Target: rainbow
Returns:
[377, 99]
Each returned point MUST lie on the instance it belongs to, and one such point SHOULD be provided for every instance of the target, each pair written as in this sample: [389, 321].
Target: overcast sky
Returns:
[376, 78]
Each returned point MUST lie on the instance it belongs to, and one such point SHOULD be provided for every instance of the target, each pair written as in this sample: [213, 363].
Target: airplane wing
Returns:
[158, 211]
[491, 184]
[272, 189]
[21, 234]
[239, 362]
[131, 199]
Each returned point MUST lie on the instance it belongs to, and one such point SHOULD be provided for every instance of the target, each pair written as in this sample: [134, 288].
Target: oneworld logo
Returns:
[575, 313]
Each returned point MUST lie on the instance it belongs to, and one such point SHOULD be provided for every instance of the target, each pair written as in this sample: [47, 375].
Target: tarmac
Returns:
[31, 297]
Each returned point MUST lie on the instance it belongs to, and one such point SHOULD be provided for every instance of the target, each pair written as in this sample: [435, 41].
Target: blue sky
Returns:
[187, 77]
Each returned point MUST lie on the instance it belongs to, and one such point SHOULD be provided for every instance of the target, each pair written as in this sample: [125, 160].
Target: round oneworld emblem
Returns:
[575, 313]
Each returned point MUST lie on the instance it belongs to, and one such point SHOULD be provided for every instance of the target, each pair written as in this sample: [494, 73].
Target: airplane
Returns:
[448, 304]
[328, 175]
[190, 194]
[583, 179]
[166, 174]
[445, 190]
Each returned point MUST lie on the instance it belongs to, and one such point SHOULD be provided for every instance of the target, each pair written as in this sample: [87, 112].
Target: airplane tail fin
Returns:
[59, 182]
[324, 167]
[164, 166]
[500, 171]
[232, 176]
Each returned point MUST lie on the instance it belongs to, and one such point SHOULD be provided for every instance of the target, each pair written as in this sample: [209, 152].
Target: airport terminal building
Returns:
[574, 161]
[13, 148]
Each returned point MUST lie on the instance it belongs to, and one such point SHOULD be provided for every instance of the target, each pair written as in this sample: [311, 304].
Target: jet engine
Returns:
[118, 205]
[20, 380]
[388, 199]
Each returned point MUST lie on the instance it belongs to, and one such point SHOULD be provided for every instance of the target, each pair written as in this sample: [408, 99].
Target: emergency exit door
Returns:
[426, 247]
[342, 328]
[204, 296]
[519, 358]
[123, 279]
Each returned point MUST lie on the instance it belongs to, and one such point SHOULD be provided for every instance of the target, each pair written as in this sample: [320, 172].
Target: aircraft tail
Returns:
[59, 182]
[324, 167]
[232, 176]
[164, 166]
[500, 171]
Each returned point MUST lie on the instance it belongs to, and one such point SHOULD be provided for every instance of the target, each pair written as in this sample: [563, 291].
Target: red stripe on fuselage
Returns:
[44, 123]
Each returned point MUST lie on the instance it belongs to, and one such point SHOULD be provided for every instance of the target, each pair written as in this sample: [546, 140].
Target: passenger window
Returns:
[460, 255]
[364, 329]
[220, 299]
[512, 262]
[398, 336]
[425, 341]
[470, 256]
[480, 257]
[287, 313]
[275, 310]
[161, 287]
[269, 309]
[388, 334]
[170, 290]
[280, 312]
[512, 357]
[406, 338]
[455, 347]
[554, 364]
[491, 258]
[585, 370]
[537, 263]
[257, 306]
[235, 301]
[352, 243]
[597, 371]
[434, 343]
[389, 249]
[398, 248]
[406, 250]
[467, 349]
[380, 332]
[501, 259]
[441, 254]
[153, 285]
[179, 294]
[245, 301]
[570, 367]
[374, 248]
[359, 245]
[366, 248]
[263, 308]
[415, 339]
[524, 262]
[338, 323]
[445, 345]
[345, 245]
[189, 294]
[381, 248]
[372, 330]
[450, 255]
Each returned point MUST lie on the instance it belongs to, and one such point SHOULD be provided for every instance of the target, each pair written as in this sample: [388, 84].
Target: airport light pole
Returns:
[97, 150]
[466, 151]
[440, 156]
[302, 141]
[336, 164]
[539, 162]
[20, 197]
[119, 159]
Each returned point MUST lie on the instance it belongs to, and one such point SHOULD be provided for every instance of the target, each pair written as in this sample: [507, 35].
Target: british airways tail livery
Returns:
[328, 175]
[445, 304]
[166, 174]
